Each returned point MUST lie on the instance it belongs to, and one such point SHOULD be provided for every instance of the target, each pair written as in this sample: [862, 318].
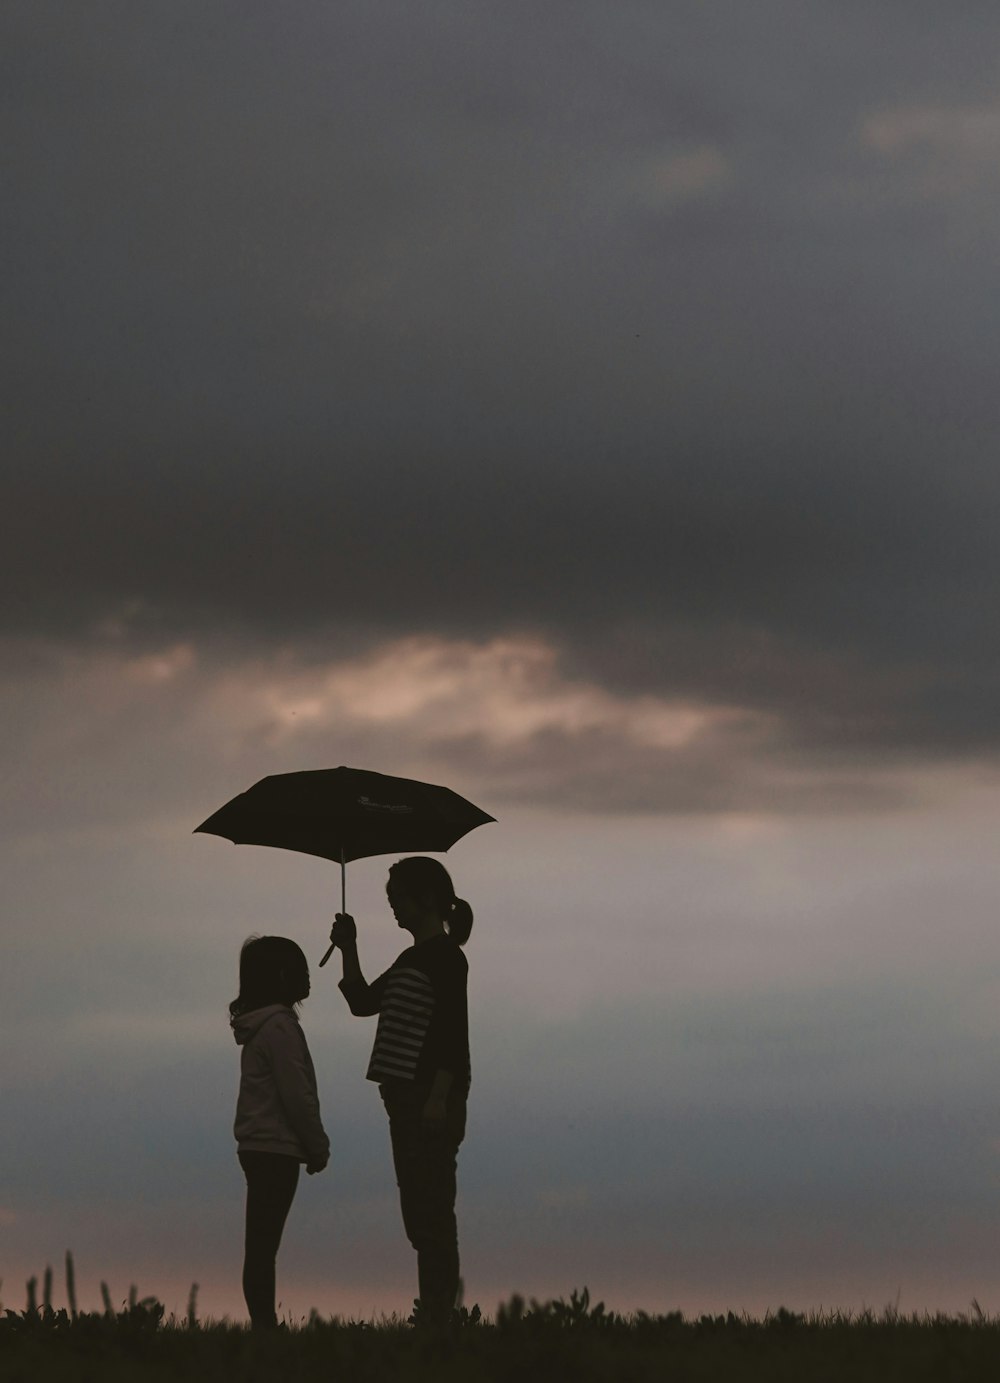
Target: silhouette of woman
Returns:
[420, 1061]
[277, 1124]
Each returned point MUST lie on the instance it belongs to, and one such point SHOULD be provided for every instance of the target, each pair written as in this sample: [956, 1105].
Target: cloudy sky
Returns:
[589, 406]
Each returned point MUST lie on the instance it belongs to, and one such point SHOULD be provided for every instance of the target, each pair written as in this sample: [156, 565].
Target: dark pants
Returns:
[271, 1182]
[425, 1174]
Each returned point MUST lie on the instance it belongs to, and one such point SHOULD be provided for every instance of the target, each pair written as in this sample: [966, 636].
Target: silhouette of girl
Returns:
[277, 1124]
[420, 1060]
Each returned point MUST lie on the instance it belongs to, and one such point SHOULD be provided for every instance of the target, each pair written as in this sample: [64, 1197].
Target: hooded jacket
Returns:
[278, 1106]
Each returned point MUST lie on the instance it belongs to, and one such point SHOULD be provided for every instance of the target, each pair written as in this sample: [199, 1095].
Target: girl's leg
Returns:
[271, 1182]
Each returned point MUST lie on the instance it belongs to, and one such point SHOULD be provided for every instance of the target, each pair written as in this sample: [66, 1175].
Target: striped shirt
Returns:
[403, 1019]
[423, 1023]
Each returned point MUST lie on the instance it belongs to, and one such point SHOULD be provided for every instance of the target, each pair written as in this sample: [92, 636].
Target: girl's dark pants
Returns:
[425, 1174]
[271, 1182]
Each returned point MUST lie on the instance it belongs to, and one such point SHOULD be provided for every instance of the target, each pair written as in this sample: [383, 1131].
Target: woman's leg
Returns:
[426, 1175]
[271, 1182]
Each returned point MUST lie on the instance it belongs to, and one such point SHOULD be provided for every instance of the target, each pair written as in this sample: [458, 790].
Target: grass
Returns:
[564, 1339]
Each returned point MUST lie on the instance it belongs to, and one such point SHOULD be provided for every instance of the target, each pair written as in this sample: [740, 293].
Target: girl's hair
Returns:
[420, 877]
[273, 970]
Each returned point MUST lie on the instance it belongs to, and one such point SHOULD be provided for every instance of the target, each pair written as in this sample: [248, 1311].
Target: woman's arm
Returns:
[448, 1039]
[363, 998]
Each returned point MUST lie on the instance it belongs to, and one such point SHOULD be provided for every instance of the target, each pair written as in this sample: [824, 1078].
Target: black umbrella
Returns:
[345, 814]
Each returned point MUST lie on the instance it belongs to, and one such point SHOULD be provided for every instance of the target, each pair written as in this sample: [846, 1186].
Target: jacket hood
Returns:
[244, 1025]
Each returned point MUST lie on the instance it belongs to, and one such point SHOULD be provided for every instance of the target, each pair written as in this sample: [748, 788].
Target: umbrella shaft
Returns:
[343, 901]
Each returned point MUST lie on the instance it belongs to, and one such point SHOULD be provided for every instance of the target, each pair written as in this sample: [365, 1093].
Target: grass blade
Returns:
[71, 1285]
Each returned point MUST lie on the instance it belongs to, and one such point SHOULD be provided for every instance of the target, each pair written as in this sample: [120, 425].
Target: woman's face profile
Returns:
[404, 909]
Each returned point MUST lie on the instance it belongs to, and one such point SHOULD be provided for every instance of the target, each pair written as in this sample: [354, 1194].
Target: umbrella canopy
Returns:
[345, 814]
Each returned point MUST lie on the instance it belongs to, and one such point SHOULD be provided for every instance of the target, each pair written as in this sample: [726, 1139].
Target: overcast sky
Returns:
[592, 407]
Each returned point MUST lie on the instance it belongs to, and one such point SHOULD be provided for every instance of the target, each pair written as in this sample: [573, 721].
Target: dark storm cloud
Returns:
[625, 326]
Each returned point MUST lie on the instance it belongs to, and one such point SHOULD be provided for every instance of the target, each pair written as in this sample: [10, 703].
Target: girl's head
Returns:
[420, 887]
[273, 970]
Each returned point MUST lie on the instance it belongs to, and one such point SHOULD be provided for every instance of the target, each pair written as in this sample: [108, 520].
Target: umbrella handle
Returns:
[343, 902]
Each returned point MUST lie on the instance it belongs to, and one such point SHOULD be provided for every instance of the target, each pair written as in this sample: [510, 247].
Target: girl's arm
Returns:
[295, 1080]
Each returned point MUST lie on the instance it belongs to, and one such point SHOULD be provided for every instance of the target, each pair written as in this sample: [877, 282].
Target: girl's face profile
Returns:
[297, 983]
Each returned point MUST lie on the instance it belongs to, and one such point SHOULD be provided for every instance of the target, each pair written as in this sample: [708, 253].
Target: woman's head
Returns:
[273, 970]
[423, 886]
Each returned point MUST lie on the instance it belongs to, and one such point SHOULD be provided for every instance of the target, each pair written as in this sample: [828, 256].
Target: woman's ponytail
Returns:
[459, 921]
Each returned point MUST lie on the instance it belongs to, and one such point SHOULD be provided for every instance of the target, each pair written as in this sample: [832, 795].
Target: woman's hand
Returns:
[434, 1115]
[343, 932]
[313, 1167]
